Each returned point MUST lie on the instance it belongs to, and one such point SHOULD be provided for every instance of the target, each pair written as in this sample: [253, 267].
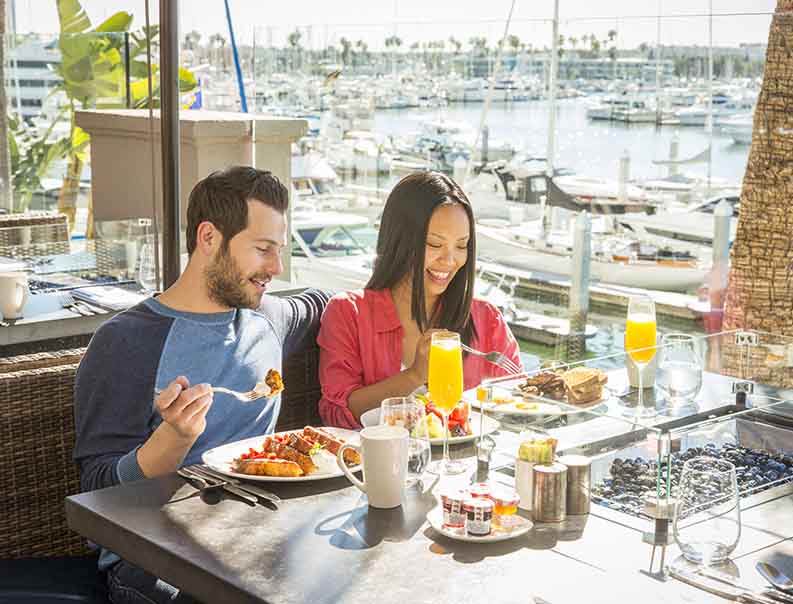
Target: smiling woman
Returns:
[375, 343]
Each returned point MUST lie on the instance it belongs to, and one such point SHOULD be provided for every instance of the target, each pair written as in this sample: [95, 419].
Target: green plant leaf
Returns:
[187, 80]
[119, 22]
[73, 17]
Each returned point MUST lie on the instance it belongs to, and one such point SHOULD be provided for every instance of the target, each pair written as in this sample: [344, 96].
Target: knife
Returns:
[724, 578]
[244, 486]
[737, 595]
[246, 497]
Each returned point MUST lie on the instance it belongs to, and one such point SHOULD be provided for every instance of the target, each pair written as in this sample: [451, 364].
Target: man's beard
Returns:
[226, 284]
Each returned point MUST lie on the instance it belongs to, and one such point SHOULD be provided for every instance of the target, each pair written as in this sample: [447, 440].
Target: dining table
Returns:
[323, 543]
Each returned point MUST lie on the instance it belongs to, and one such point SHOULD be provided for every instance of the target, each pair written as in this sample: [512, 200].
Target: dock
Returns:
[541, 329]
[609, 298]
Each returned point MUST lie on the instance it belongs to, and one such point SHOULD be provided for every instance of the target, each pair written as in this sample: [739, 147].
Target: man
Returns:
[212, 327]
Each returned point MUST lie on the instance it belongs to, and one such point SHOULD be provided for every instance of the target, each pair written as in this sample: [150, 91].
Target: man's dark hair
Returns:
[401, 246]
[222, 199]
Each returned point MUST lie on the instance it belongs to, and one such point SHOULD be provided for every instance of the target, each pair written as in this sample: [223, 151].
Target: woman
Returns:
[375, 343]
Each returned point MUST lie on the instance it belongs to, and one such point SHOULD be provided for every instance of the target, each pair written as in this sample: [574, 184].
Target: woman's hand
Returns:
[421, 361]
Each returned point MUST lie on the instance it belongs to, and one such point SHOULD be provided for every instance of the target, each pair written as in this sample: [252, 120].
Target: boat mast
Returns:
[551, 149]
[709, 119]
[490, 89]
[658, 111]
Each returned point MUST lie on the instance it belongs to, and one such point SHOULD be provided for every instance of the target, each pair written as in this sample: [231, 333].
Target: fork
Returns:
[68, 302]
[496, 358]
[245, 397]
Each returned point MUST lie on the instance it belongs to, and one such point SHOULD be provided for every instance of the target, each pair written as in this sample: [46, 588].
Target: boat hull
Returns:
[495, 243]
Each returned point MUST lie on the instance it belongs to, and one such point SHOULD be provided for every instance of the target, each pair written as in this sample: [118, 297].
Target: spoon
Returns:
[211, 494]
[775, 576]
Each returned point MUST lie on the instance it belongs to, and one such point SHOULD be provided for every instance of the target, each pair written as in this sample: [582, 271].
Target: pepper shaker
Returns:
[579, 470]
[550, 493]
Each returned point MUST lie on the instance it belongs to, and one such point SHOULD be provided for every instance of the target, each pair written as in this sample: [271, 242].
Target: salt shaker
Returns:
[578, 482]
[550, 493]
[535, 448]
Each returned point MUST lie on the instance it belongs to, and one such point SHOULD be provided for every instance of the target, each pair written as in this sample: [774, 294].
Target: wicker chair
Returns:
[37, 441]
[33, 234]
[41, 559]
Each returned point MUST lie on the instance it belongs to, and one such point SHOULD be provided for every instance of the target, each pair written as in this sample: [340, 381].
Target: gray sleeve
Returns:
[296, 318]
[113, 401]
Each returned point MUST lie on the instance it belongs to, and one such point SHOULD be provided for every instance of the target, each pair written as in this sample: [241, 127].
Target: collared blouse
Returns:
[360, 344]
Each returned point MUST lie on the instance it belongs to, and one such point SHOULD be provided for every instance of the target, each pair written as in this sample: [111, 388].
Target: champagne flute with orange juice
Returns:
[640, 333]
[445, 385]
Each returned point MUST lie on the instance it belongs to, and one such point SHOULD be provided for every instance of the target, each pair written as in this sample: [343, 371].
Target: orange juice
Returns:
[640, 333]
[446, 374]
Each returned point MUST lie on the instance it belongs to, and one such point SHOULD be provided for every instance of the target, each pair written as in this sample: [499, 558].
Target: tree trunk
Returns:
[6, 194]
[760, 287]
[760, 290]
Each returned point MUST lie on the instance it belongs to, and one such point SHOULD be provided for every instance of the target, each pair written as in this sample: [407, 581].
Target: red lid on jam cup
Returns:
[477, 503]
[480, 489]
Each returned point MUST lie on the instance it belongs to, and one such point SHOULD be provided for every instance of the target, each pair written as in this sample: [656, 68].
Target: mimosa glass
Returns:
[640, 334]
[445, 384]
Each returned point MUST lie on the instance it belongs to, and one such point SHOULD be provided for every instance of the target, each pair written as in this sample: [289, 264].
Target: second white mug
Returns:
[384, 450]
[14, 294]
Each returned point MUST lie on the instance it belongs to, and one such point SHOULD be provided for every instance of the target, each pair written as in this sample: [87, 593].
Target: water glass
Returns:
[679, 369]
[147, 265]
[404, 412]
[707, 523]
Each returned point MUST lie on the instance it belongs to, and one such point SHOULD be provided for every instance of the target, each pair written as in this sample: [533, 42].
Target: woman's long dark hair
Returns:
[401, 246]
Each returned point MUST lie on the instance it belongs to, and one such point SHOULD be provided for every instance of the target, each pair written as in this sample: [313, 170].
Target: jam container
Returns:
[480, 490]
[505, 502]
[453, 515]
[478, 515]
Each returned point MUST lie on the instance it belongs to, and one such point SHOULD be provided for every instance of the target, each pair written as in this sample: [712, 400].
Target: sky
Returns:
[322, 23]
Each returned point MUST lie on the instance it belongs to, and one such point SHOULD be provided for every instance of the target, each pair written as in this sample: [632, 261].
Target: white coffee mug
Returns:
[14, 294]
[384, 450]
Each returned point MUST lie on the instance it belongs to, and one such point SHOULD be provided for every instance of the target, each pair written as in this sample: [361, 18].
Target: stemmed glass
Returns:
[707, 523]
[402, 411]
[640, 333]
[445, 384]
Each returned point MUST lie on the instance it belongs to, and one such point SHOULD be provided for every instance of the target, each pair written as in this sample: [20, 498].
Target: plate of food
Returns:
[509, 528]
[292, 456]
[583, 388]
[464, 425]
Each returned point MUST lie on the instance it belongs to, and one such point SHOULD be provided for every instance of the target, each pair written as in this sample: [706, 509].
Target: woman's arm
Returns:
[345, 394]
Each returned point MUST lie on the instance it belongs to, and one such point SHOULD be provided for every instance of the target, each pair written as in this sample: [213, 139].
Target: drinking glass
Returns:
[147, 265]
[402, 411]
[679, 369]
[640, 333]
[707, 523]
[445, 384]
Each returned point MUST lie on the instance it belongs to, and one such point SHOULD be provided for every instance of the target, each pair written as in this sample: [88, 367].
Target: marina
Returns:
[343, 303]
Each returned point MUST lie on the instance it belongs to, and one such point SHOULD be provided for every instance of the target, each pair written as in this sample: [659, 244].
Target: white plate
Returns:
[372, 418]
[435, 518]
[535, 407]
[220, 458]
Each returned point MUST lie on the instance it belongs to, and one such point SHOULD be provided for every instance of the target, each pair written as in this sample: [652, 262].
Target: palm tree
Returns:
[393, 42]
[218, 42]
[346, 47]
[362, 49]
[514, 43]
[191, 40]
[294, 46]
[760, 291]
[6, 195]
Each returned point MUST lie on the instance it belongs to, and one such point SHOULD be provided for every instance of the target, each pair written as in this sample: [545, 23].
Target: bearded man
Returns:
[144, 404]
